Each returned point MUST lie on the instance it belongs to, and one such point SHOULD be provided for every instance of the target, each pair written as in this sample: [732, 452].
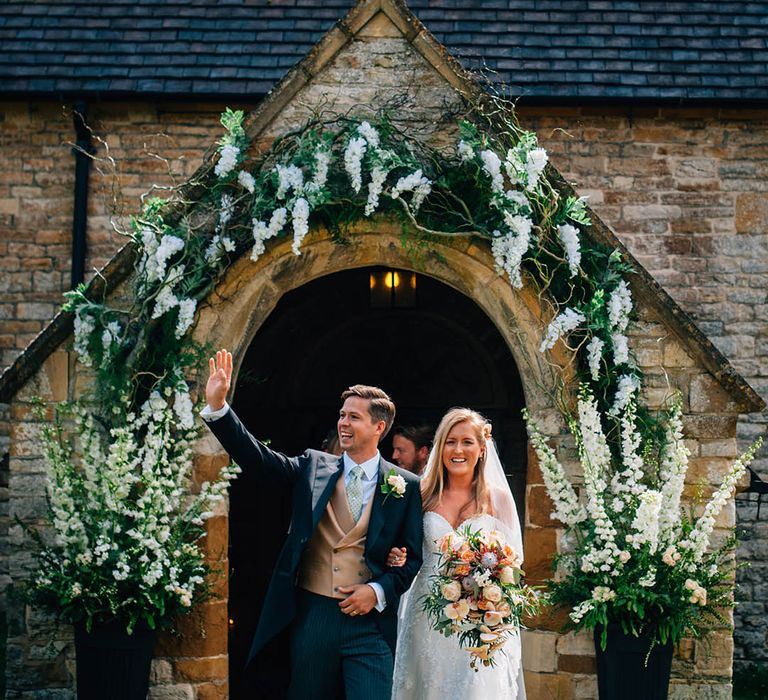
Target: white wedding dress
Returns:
[429, 666]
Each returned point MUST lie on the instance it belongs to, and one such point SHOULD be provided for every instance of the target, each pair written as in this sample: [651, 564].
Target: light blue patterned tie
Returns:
[355, 491]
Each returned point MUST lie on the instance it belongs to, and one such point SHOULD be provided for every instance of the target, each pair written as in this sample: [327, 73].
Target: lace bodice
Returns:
[429, 666]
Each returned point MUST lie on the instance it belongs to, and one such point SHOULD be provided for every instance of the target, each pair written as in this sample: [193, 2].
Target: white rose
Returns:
[507, 575]
[451, 591]
[397, 483]
[492, 593]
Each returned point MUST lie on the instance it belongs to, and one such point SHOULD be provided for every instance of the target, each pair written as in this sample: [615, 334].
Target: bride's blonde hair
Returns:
[433, 483]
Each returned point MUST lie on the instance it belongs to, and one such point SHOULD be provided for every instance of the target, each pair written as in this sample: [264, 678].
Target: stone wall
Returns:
[686, 190]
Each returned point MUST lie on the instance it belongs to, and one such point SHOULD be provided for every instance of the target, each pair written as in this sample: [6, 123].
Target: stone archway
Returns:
[250, 292]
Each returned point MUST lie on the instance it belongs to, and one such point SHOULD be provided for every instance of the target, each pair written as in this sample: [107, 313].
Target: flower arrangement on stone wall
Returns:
[637, 558]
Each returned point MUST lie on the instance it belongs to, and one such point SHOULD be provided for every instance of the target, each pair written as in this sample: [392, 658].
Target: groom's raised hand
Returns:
[219, 379]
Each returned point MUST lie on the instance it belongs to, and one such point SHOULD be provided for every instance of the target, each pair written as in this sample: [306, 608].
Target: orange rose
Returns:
[462, 570]
[466, 554]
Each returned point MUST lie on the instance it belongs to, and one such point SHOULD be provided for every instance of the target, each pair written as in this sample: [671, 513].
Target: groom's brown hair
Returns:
[380, 406]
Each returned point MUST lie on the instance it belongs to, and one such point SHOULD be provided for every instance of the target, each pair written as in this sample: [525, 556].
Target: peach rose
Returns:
[492, 593]
[507, 575]
[503, 609]
[451, 591]
[456, 611]
[492, 618]
[466, 554]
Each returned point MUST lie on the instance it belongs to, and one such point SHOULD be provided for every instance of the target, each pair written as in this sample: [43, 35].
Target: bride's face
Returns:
[462, 449]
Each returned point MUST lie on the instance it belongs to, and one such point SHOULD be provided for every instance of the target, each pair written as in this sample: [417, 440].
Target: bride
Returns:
[463, 484]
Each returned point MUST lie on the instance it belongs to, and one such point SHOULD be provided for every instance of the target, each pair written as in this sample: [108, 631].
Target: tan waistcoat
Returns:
[335, 555]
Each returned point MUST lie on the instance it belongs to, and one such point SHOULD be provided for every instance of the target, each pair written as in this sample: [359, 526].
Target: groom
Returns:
[331, 582]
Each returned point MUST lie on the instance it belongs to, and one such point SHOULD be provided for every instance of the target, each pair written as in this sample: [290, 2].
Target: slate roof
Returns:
[542, 49]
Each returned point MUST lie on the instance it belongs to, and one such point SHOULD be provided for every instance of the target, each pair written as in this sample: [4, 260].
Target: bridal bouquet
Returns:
[476, 593]
[638, 559]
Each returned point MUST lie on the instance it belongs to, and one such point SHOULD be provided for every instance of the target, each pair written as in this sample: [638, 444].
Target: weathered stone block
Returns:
[539, 651]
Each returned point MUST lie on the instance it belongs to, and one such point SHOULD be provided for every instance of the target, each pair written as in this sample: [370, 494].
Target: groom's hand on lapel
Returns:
[361, 601]
[219, 379]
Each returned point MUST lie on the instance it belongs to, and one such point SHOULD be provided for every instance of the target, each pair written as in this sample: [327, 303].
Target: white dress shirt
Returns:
[370, 469]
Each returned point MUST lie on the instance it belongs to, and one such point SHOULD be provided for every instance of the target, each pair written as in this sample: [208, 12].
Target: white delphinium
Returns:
[226, 209]
[567, 507]
[417, 183]
[595, 356]
[628, 384]
[492, 167]
[569, 237]
[187, 309]
[300, 220]
[646, 521]
[353, 159]
[672, 469]
[246, 181]
[228, 157]
[565, 322]
[465, 151]
[369, 134]
[620, 307]
[535, 162]
[262, 232]
[289, 177]
[627, 480]
[698, 540]
[620, 344]
[375, 187]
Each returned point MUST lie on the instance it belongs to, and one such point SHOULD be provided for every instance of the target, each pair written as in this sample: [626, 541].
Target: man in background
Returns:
[411, 446]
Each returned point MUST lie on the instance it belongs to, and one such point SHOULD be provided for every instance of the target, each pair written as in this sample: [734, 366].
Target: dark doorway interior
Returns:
[439, 351]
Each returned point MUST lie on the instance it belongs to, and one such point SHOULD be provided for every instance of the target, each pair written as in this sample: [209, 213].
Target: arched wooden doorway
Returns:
[436, 350]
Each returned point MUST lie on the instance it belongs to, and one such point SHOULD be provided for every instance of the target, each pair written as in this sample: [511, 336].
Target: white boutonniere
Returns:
[394, 485]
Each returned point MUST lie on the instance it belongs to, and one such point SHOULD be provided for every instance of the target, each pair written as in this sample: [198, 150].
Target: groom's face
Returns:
[358, 433]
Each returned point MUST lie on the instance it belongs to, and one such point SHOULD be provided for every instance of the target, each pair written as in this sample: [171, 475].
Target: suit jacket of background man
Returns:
[312, 476]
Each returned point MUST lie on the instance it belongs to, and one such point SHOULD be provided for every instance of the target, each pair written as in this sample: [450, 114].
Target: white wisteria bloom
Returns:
[569, 237]
[565, 322]
[567, 507]
[164, 302]
[187, 309]
[109, 336]
[620, 307]
[492, 167]
[465, 151]
[226, 209]
[417, 183]
[508, 250]
[620, 344]
[595, 356]
[167, 248]
[246, 181]
[300, 221]
[518, 200]
[375, 187]
[219, 245]
[535, 162]
[628, 384]
[228, 157]
[262, 232]
[289, 177]
[320, 175]
[84, 327]
[353, 159]
[369, 134]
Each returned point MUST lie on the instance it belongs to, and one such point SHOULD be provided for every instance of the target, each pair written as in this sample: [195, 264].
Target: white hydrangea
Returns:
[620, 307]
[375, 187]
[246, 181]
[535, 162]
[187, 309]
[492, 167]
[353, 160]
[228, 156]
[300, 220]
[628, 384]
[290, 177]
[465, 151]
[561, 325]
[595, 356]
[569, 237]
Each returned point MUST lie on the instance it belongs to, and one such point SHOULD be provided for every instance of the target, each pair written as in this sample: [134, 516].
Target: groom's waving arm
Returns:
[243, 448]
